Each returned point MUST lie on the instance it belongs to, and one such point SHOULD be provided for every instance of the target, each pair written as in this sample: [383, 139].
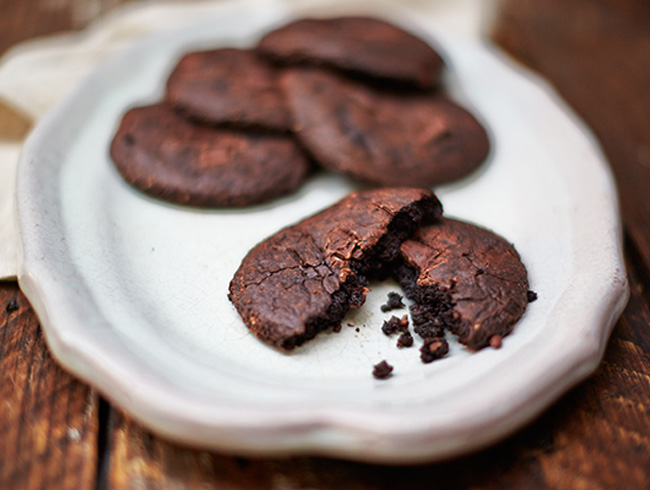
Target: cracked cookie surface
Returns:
[303, 279]
[466, 279]
[167, 156]
[384, 137]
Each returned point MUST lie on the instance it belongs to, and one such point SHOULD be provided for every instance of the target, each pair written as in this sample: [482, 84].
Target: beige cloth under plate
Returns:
[36, 75]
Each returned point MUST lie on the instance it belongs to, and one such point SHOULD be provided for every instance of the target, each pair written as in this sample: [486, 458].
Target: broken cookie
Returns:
[463, 278]
[303, 279]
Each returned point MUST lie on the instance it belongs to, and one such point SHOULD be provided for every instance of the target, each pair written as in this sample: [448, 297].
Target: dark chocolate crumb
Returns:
[404, 324]
[357, 329]
[427, 318]
[12, 306]
[431, 329]
[532, 296]
[382, 370]
[332, 256]
[394, 302]
[433, 349]
[418, 315]
[496, 341]
[405, 340]
[394, 325]
[350, 324]
[337, 328]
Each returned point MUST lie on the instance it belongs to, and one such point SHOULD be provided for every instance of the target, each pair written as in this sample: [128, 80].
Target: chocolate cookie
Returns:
[161, 153]
[361, 45]
[468, 278]
[383, 137]
[304, 279]
[229, 86]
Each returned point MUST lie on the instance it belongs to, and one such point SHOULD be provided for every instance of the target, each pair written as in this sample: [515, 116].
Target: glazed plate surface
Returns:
[132, 292]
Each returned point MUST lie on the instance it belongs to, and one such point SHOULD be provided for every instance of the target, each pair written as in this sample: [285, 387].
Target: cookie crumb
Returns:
[394, 325]
[433, 349]
[382, 370]
[357, 329]
[394, 302]
[405, 340]
[12, 306]
[532, 296]
[350, 324]
[496, 341]
[429, 330]
[427, 324]
[337, 328]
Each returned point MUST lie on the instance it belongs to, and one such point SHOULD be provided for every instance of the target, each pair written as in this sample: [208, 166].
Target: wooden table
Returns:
[56, 432]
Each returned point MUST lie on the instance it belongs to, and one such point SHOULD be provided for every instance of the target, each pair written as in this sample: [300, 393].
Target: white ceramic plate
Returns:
[132, 292]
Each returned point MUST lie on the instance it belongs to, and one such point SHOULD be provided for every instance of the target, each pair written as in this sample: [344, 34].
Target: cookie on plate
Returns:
[360, 45]
[303, 279]
[466, 279]
[382, 137]
[232, 87]
[169, 157]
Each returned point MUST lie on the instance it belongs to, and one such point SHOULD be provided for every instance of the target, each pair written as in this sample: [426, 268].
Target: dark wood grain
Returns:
[48, 420]
[49, 425]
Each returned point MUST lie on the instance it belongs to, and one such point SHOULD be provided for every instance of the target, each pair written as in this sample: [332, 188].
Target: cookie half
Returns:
[169, 157]
[304, 279]
[360, 45]
[232, 87]
[465, 279]
[382, 137]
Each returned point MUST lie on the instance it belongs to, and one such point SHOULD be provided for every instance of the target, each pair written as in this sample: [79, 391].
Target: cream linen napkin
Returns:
[36, 75]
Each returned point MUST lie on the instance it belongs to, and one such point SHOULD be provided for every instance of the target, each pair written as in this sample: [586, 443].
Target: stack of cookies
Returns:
[356, 96]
